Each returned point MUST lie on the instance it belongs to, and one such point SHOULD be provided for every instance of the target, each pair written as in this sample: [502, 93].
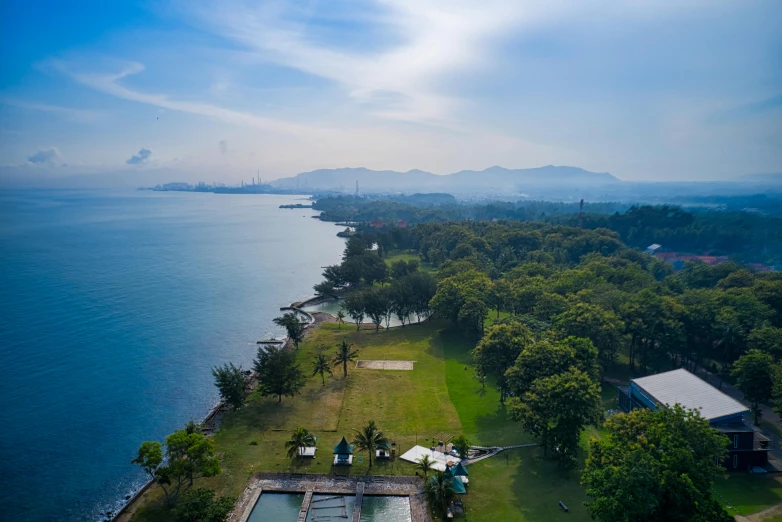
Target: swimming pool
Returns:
[285, 507]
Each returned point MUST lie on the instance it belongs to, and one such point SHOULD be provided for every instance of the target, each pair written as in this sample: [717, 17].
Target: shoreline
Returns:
[211, 422]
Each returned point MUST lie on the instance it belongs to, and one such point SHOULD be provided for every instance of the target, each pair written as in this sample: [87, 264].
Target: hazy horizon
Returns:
[190, 91]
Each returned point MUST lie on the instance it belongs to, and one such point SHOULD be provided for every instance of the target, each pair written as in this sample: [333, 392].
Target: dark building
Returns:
[747, 448]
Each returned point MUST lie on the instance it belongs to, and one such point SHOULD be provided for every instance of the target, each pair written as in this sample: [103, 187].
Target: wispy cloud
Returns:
[110, 83]
[78, 115]
[427, 39]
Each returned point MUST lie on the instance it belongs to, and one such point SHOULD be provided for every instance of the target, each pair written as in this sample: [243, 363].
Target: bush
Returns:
[200, 505]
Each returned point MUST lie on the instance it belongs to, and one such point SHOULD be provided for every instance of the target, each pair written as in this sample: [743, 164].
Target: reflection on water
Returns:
[277, 507]
[385, 509]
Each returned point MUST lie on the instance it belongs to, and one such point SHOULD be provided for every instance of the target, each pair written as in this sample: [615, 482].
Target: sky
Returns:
[189, 90]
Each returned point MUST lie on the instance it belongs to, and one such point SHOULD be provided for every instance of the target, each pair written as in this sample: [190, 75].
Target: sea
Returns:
[114, 307]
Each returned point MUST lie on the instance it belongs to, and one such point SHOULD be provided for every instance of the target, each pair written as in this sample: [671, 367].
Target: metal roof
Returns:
[680, 386]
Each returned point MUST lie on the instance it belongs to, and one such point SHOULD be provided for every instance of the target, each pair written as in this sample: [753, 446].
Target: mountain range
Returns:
[492, 180]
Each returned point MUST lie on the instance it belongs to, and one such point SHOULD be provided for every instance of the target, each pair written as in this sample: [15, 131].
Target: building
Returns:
[651, 249]
[343, 453]
[747, 449]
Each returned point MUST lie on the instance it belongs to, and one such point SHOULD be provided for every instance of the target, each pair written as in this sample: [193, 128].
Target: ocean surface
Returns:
[114, 307]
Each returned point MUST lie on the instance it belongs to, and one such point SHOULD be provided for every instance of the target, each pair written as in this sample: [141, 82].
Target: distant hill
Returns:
[772, 177]
[493, 179]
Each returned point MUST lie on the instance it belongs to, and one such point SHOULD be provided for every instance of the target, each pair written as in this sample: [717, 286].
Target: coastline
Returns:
[211, 422]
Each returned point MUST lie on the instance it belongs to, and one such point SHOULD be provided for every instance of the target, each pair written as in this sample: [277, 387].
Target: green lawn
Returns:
[747, 493]
[441, 395]
[396, 255]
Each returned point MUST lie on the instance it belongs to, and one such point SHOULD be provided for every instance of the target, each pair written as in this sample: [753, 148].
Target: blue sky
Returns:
[190, 90]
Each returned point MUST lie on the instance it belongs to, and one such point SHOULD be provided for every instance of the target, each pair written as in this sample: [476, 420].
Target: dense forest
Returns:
[554, 308]
[744, 236]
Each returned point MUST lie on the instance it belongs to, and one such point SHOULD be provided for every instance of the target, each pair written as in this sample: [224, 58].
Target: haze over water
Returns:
[115, 305]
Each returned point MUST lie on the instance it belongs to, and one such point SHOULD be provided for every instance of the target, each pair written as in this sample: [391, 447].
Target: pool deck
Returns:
[411, 487]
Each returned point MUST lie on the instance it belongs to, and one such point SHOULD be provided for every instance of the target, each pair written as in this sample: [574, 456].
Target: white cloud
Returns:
[140, 158]
[45, 156]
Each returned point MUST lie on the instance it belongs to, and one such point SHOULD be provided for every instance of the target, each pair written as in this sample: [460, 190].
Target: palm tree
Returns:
[439, 493]
[368, 439]
[344, 356]
[340, 318]
[425, 465]
[300, 439]
[321, 365]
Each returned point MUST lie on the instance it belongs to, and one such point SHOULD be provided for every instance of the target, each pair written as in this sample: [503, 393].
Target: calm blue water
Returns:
[114, 307]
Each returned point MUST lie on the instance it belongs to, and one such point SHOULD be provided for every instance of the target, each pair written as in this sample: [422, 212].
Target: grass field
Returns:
[440, 395]
[396, 255]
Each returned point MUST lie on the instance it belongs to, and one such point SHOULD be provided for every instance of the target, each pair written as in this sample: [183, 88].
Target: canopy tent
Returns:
[456, 483]
[460, 470]
[343, 448]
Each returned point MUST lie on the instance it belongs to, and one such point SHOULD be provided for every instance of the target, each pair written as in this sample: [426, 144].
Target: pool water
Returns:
[385, 509]
[332, 307]
[277, 507]
[331, 507]
[284, 507]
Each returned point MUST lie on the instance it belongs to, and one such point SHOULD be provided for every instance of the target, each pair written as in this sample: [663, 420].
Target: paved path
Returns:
[359, 502]
[305, 506]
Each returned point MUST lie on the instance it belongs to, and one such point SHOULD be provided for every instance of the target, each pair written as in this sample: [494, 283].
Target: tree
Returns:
[344, 356]
[439, 493]
[231, 383]
[200, 505]
[472, 315]
[354, 306]
[556, 409]
[368, 439]
[321, 365]
[187, 457]
[501, 295]
[767, 339]
[300, 439]
[602, 327]
[655, 466]
[294, 327]
[754, 374]
[340, 318]
[278, 373]
[498, 350]
[462, 445]
[424, 464]
[375, 305]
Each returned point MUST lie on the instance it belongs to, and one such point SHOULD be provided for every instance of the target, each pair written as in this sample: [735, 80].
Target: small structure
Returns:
[343, 453]
[651, 249]
[460, 472]
[308, 451]
[439, 459]
[723, 412]
[456, 483]
[383, 451]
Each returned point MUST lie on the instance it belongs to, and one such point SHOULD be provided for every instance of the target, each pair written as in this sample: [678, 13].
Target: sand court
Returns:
[384, 365]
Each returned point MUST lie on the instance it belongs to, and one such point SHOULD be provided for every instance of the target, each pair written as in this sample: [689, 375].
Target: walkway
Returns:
[494, 450]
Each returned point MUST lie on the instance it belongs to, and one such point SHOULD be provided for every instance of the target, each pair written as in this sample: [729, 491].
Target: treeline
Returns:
[418, 209]
[375, 290]
[745, 236]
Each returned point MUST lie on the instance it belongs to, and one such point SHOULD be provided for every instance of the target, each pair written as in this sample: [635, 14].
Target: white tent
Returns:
[439, 459]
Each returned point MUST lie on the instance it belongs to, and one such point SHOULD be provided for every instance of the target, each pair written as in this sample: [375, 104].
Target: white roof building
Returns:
[682, 387]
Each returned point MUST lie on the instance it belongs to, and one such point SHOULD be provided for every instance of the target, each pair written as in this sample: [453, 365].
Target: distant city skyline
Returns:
[221, 92]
